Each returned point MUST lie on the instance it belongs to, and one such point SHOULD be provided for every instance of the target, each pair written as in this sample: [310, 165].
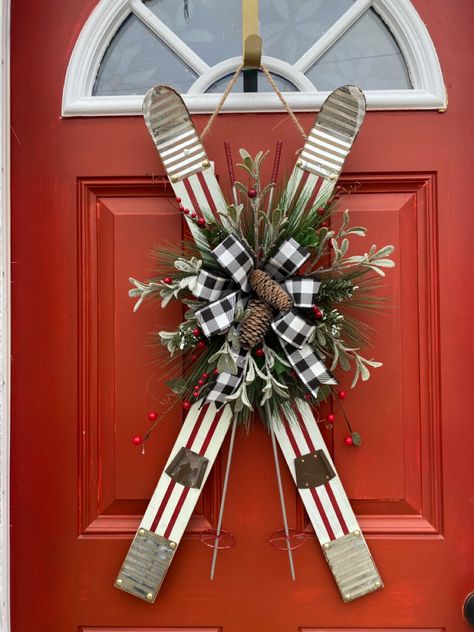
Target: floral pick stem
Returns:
[280, 491]
[341, 408]
[171, 397]
[224, 494]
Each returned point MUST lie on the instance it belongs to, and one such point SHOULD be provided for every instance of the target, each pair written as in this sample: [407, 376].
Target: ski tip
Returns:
[159, 96]
[343, 111]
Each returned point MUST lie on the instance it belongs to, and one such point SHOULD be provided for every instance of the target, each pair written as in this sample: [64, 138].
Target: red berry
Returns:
[196, 388]
[196, 394]
[186, 211]
[201, 222]
[252, 193]
[348, 440]
[152, 416]
[200, 382]
[342, 394]
[186, 405]
[196, 331]
[307, 396]
[178, 200]
[201, 344]
[181, 207]
[137, 440]
[168, 280]
[324, 225]
[331, 418]
[193, 214]
[205, 376]
[216, 372]
[321, 210]
[294, 374]
[260, 352]
[318, 314]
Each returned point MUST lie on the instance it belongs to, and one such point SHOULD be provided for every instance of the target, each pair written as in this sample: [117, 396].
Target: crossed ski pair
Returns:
[192, 178]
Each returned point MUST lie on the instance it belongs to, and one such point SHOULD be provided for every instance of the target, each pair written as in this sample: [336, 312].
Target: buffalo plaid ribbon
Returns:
[224, 293]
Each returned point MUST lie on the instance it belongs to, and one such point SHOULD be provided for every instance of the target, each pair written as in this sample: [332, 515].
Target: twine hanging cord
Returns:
[229, 88]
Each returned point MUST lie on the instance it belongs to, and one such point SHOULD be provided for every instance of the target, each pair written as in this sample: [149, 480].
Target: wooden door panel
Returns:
[120, 223]
[397, 488]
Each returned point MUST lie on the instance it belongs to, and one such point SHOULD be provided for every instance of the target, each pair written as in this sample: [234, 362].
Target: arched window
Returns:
[310, 46]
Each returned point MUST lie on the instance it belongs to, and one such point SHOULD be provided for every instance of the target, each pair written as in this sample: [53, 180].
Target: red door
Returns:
[85, 213]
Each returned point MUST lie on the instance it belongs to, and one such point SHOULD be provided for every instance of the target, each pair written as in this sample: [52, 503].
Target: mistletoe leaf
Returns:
[178, 386]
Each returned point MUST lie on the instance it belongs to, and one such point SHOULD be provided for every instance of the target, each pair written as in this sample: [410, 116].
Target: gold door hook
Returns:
[251, 40]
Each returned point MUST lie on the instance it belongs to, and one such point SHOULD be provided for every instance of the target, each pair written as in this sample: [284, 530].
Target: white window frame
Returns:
[400, 17]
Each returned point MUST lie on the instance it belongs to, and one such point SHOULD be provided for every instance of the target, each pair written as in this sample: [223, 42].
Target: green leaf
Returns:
[244, 153]
[344, 246]
[279, 367]
[241, 187]
[276, 217]
[357, 230]
[384, 263]
[364, 372]
[226, 364]
[177, 385]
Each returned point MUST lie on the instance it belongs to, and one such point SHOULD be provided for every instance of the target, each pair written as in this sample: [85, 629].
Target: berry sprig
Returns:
[155, 418]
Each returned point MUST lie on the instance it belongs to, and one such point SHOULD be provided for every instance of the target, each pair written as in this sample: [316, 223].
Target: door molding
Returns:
[5, 318]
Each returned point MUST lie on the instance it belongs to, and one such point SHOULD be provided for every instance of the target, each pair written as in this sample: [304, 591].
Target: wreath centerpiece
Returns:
[274, 301]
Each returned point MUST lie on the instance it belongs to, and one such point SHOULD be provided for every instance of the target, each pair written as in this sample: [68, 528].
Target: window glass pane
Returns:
[290, 27]
[263, 86]
[136, 60]
[366, 55]
[213, 28]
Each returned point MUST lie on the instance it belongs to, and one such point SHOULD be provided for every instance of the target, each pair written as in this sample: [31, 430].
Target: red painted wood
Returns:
[85, 213]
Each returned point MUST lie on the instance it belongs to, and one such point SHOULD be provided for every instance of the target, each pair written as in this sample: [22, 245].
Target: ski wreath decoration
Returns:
[265, 285]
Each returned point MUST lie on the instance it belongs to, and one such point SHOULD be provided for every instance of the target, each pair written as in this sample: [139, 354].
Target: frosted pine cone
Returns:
[255, 326]
[269, 290]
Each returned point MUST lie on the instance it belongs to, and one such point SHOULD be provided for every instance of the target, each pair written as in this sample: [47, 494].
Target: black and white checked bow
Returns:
[226, 292]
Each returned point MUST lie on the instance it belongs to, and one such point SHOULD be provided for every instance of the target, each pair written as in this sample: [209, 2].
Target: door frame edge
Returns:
[5, 320]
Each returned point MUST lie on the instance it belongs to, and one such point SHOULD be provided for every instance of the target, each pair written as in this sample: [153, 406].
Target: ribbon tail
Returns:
[227, 383]
[308, 366]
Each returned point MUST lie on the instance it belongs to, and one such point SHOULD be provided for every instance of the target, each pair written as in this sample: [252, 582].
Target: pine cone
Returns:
[269, 290]
[255, 326]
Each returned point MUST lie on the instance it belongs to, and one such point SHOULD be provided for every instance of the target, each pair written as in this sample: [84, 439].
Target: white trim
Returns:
[399, 15]
[416, 45]
[90, 48]
[262, 102]
[5, 319]
[223, 68]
